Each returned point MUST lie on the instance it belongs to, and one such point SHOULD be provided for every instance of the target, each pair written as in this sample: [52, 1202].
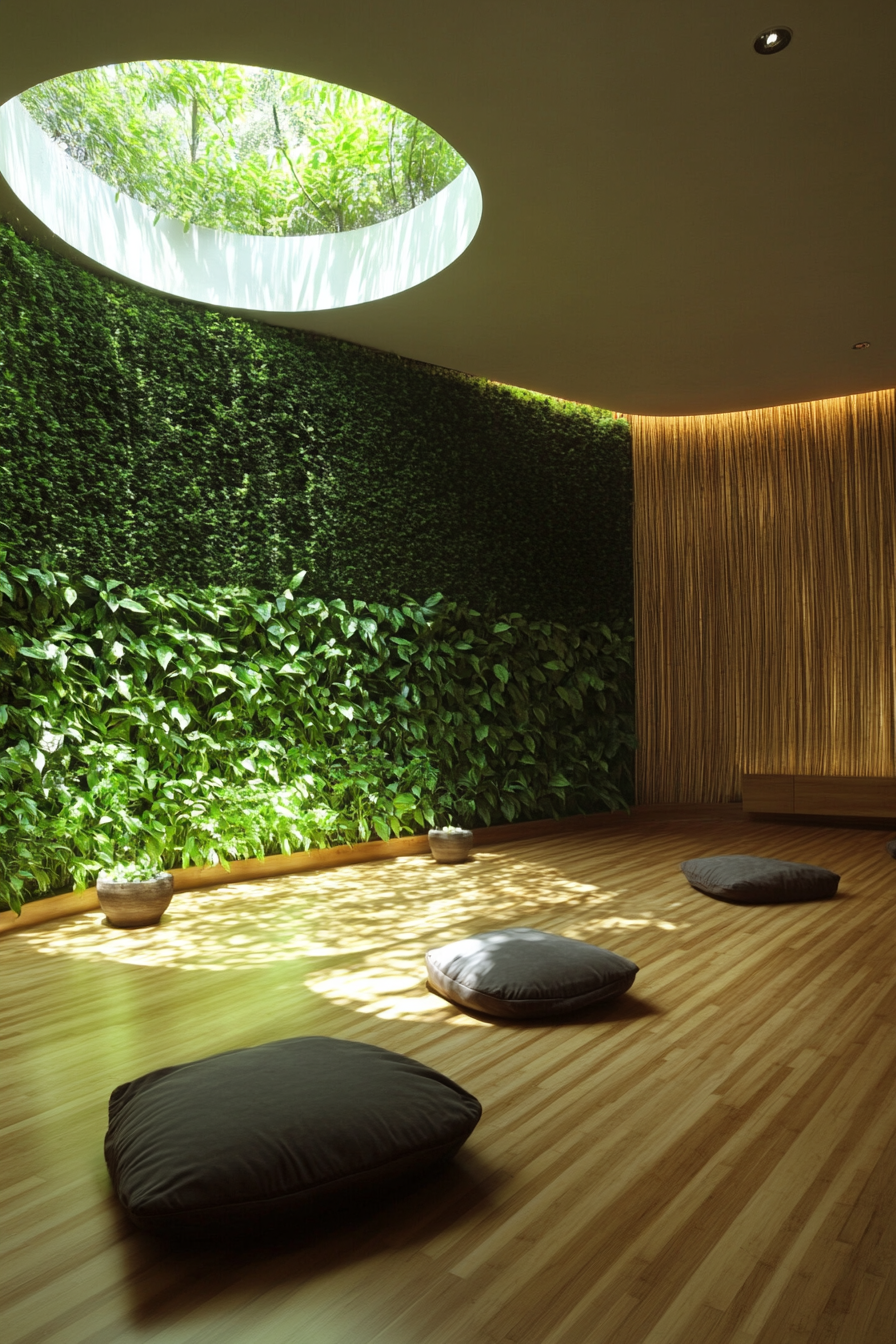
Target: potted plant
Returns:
[133, 895]
[450, 844]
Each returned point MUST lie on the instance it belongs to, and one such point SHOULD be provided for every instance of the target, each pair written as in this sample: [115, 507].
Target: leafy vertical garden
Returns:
[227, 723]
[166, 685]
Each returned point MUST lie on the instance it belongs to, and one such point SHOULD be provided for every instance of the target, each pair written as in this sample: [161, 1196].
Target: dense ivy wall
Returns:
[165, 686]
[151, 441]
[228, 723]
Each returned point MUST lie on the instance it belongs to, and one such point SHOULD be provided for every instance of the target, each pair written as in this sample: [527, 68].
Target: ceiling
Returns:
[672, 224]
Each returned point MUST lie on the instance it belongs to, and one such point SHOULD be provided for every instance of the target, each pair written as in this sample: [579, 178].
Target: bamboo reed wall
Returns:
[765, 562]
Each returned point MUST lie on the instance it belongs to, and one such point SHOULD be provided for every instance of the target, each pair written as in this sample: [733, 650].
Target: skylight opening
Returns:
[242, 188]
[244, 149]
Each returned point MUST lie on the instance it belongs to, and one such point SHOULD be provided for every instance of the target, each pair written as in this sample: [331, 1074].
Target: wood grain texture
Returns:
[709, 1160]
[821, 795]
[765, 562]
[835, 795]
[767, 793]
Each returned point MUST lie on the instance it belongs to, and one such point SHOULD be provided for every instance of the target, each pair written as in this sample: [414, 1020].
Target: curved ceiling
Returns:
[671, 223]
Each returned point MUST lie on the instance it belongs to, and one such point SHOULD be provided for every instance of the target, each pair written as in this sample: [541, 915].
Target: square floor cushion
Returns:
[527, 973]
[746, 879]
[246, 1138]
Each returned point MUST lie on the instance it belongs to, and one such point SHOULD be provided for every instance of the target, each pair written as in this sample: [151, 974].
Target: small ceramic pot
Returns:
[133, 905]
[450, 846]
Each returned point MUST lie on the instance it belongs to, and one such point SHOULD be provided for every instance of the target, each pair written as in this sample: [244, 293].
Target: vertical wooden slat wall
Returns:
[765, 572]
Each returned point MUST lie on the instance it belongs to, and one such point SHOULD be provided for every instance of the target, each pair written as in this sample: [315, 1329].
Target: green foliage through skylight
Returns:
[247, 150]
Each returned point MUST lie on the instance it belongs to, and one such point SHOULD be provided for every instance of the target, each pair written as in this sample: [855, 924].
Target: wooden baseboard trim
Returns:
[372, 851]
[283, 865]
[531, 830]
[51, 907]
[688, 812]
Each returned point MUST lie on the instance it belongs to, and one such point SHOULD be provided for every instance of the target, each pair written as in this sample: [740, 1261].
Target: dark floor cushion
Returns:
[891, 848]
[526, 973]
[747, 879]
[246, 1138]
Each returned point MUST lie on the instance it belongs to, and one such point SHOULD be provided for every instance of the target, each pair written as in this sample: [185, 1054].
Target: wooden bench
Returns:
[821, 795]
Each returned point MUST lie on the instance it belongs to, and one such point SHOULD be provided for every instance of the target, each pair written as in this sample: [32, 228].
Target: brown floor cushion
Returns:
[746, 879]
[245, 1138]
[527, 973]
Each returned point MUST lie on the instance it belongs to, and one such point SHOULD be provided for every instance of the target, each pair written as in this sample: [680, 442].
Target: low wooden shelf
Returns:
[821, 795]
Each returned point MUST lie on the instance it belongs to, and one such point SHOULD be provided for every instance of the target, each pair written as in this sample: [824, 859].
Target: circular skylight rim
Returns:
[248, 272]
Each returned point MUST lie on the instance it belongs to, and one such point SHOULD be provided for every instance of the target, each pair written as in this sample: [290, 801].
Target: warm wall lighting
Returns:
[861, 345]
[775, 39]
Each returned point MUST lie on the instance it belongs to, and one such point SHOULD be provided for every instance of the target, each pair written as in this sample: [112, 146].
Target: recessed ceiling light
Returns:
[775, 39]
[861, 345]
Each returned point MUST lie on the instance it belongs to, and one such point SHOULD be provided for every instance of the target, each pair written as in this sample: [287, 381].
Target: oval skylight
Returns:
[239, 187]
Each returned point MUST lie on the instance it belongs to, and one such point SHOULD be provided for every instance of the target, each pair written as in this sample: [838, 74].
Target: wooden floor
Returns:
[712, 1160]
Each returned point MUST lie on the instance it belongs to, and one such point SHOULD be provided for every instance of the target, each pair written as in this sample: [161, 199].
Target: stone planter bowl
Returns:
[450, 846]
[134, 905]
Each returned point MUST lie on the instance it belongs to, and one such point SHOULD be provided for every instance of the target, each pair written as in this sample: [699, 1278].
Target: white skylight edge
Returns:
[233, 270]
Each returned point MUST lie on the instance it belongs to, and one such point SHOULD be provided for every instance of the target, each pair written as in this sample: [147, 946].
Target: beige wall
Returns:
[765, 572]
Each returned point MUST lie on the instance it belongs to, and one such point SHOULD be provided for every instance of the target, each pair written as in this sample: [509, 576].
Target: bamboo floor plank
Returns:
[709, 1160]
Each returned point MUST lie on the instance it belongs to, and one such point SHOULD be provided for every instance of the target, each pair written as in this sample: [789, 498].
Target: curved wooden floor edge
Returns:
[281, 865]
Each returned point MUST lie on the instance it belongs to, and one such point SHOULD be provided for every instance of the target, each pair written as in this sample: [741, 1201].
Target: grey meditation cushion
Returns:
[527, 973]
[746, 879]
[250, 1136]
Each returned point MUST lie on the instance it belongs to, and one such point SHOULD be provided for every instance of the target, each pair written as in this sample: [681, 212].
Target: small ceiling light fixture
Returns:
[775, 39]
[861, 345]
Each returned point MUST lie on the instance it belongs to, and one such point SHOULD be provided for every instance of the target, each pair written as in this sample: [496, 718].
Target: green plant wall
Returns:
[167, 687]
[152, 441]
[230, 723]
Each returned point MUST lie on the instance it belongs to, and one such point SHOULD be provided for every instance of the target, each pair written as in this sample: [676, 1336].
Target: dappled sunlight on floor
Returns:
[388, 985]
[371, 922]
